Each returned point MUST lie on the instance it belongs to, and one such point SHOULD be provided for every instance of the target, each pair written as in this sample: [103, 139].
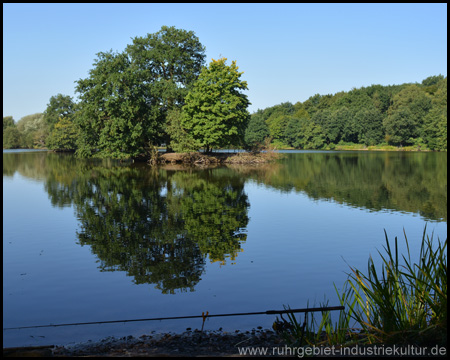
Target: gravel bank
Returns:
[188, 343]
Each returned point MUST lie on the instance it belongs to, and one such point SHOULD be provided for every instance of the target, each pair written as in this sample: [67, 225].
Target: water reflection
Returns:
[399, 181]
[161, 225]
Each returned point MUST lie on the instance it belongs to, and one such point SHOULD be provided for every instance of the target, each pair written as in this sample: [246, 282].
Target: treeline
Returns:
[398, 115]
[54, 128]
[158, 91]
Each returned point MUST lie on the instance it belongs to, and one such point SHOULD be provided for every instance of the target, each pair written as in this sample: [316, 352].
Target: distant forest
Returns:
[397, 115]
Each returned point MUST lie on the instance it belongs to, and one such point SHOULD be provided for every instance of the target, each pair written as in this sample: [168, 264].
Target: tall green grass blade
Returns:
[404, 303]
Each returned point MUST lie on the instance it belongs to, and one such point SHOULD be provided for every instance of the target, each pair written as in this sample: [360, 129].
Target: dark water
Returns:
[87, 240]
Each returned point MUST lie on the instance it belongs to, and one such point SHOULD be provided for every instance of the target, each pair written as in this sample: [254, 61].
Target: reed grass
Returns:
[404, 303]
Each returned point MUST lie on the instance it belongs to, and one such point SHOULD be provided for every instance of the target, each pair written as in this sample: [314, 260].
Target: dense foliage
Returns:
[216, 113]
[59, 116]
[29, 132]
[398, 115]
[125, 100]
[59, 107]
[158, 92]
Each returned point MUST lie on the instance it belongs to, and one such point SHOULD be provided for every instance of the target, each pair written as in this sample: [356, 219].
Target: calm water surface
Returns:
[91, 240]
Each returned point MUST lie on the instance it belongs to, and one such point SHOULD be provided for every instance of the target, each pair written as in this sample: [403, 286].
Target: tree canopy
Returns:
[59, 106]
[8, 121]
[125, 99]
[406, 114]
[216, 112]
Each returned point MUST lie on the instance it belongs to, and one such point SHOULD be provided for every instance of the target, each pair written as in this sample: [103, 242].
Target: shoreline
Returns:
[188, 343]
[197, 158]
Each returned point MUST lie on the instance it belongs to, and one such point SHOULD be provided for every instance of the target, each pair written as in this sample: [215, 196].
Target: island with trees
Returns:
[159, 93]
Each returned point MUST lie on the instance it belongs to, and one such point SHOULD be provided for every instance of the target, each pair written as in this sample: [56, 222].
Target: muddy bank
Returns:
[215, 158]
[188, 343]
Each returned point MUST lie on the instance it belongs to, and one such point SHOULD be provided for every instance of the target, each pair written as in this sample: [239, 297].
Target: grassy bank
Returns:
[403, 304]
[379, 147]
[352, 146]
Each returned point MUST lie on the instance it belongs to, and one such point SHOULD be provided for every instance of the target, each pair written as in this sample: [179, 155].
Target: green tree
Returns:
[400, 127]
[64, 135]
[294, 130]
[11, 138]
[124, 101]
[312, 135]
[8, 121]
[33, 131]
[277, 118]
[312, 103]
[167, 63]
[370, 123]
[181, 140]
[432, 80]
[304, 133]
[330, 127]
[115, 117]
[277, 124]
[380, 97]
[59, 106]
[435, 122]
[399, 114]
[256, 131]
[406, 115]
[216, 111]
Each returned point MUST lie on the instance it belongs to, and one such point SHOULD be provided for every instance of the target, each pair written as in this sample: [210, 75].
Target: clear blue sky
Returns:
[288, 52]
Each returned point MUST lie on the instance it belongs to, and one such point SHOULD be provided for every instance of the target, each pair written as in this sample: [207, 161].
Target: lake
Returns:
[97, 240]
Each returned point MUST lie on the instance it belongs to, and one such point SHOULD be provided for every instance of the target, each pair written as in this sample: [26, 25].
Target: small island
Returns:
[197, 158]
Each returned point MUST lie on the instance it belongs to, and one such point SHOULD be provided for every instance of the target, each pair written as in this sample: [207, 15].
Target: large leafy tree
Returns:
[124, 101]
[115, 116]
[167, 63]
[216, 112]
[59, 106]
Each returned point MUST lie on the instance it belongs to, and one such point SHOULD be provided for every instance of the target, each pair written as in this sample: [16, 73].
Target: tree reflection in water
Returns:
[159, 226]
[162, 225]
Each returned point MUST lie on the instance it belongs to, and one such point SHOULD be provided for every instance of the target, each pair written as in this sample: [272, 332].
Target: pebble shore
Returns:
[188, 343]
